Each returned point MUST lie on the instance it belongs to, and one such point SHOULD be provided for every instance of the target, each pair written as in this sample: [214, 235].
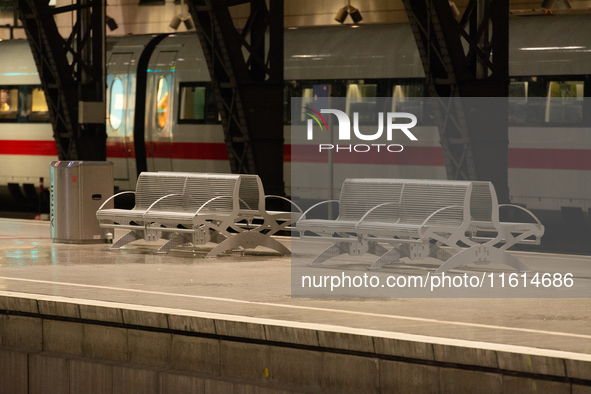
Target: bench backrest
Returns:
[211, 193]
[252, 194]
[422, 198]
[483, 202]
[152, 185]
[358, 196]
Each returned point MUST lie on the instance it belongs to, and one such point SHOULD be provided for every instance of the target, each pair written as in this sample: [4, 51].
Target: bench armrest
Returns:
[239, 199]
[422, 229]
[160, 199]
[211, 200]
[314, 206]
[373, 209]
[113, 196]
[523, 209]
[286, 199]
[439, 210]
[244, 202]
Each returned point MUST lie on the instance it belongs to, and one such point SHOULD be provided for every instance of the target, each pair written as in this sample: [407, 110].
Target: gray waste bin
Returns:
[78, 189]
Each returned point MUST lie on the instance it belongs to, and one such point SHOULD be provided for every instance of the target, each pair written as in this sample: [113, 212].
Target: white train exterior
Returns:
[161, 113]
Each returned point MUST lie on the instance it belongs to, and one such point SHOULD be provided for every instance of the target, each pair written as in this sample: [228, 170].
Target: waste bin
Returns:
[78, 189]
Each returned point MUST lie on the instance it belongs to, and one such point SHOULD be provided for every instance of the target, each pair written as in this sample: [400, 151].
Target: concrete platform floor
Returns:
[257, 285]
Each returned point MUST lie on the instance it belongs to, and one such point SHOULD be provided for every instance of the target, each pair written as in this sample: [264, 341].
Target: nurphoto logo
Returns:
[344, 124]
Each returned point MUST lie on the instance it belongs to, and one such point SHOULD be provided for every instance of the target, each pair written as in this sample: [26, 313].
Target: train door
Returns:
[118, 128]
[159, 130]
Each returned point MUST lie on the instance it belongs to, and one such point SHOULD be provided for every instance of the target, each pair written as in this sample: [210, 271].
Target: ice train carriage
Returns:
[177, 128]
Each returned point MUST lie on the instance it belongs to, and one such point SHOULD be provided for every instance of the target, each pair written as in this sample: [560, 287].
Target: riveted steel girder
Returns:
[72, 73]
[246, 68]
[459, 65]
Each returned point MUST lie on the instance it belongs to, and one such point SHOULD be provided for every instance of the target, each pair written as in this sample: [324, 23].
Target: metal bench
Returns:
[213, 212]
[418, 218]
[208, 207]
[204, 211]
[150, 188]
[253, 224]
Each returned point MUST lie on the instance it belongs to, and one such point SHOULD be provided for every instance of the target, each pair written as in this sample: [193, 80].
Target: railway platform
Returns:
[83, 318]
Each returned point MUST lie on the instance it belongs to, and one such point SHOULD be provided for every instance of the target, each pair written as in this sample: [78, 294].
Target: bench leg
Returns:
[127, 238]
[276, 226]
[249, 240]
[332, 251]
[173, 242]
[481, 254]
[386, 256]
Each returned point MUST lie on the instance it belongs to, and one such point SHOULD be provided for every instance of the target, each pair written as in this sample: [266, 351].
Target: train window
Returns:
[518, 89]
[197, 103]
[415, 90]
[518, 92]
[314, 96]
[360, 90]
[116, 104]
[361, 99]
[307, 100]
[32, 105]
[162, 103]
[39, 110]
[408, 98]
[8, 104]
[565, 102]
[192, 104]
[309, 91]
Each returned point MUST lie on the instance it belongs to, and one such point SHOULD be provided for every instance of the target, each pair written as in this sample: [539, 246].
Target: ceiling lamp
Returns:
[184, 17]
[348, 10]
[111, 23]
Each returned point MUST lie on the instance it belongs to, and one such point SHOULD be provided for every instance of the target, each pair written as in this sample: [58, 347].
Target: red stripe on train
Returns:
[177, 150]
[188, 150]
[551, 159]
[557, 159]
[25, 147]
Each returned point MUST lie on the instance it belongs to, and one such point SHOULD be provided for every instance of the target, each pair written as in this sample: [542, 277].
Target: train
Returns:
[162, 116]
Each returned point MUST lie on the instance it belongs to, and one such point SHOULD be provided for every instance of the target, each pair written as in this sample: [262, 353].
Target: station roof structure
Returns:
[155, 16]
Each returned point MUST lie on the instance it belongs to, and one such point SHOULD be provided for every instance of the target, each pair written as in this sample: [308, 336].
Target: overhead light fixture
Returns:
[175, 22]
[341, 15]
[184, 17]
[111, 24]
[188, 23]
[355, 15]
[348, 10]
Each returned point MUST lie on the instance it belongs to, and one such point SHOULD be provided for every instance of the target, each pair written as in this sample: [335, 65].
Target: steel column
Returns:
[247, 77]
[72, 73]
[458, 60]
